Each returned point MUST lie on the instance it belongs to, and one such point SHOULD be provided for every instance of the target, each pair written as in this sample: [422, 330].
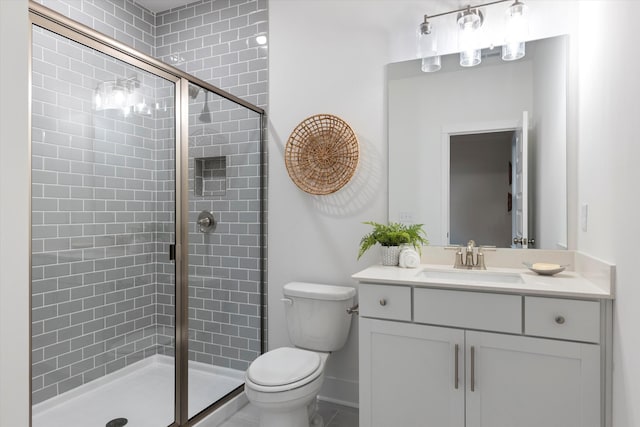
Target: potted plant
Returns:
[391, 237]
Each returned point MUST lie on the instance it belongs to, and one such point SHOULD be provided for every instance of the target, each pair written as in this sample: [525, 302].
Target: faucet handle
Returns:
[459, 261]
[480, 261]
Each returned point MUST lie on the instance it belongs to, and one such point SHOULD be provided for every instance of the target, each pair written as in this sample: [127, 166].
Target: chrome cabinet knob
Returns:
[560, 320]
[383, 302]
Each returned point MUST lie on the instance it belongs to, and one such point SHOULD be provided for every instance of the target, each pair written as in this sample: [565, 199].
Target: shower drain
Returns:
[118, 422]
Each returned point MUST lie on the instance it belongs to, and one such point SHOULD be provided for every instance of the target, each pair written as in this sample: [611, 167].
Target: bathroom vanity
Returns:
[498, 348]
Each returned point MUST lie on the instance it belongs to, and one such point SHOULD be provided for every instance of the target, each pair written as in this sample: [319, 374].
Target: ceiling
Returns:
[157, 6]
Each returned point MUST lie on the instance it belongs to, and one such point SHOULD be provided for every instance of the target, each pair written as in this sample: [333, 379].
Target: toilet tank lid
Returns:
[318, 291]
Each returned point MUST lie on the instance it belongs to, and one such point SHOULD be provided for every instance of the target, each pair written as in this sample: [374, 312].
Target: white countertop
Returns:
[566, 283]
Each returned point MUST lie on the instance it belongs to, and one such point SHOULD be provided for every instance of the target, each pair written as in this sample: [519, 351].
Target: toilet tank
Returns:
[317, 317]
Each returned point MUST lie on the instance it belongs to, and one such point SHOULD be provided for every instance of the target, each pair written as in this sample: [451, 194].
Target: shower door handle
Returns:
[172, 252]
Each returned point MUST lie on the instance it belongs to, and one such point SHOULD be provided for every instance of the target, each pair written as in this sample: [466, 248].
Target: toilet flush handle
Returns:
[354, 310]
[287, 301]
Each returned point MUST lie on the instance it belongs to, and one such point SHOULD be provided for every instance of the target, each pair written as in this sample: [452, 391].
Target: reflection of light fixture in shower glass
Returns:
[121, 94]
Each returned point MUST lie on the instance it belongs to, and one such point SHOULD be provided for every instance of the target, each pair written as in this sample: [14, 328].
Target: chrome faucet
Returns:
[467, 262]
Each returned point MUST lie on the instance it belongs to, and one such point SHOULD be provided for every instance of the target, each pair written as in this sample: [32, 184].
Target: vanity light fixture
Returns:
[469, 20]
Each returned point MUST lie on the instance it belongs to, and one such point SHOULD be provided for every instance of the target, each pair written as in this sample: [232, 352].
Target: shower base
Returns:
[143, 393]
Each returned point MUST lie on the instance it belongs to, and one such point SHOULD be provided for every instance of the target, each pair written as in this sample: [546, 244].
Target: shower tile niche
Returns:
[210, 176]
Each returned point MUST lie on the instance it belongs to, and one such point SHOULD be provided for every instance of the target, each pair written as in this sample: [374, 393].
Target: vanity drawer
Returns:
[473, 310]
[385, 302]
[562, 318]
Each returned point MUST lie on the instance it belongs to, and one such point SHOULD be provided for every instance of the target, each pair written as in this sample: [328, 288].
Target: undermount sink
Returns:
[470, 276]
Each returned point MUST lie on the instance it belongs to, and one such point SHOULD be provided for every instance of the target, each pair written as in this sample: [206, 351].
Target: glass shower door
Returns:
[103, 219]
[224, 236]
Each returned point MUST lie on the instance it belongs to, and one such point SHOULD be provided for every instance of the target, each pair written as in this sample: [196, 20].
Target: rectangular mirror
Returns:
[480, 153]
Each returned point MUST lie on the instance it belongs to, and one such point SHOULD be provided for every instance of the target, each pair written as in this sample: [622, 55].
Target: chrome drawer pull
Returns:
[456, 369]
[560, 320]
[383, 302]
[473, 368]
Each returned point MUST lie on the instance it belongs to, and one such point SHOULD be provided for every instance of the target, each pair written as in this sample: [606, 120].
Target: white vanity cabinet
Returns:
[440, 358]
[407, 375]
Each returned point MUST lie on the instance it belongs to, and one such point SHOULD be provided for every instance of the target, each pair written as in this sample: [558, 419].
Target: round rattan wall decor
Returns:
[322, 154]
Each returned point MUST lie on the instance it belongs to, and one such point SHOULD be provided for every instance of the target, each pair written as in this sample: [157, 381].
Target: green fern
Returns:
[394, 234]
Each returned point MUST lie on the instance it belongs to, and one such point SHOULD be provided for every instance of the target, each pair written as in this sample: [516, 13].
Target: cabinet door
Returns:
[407, 375]
[531, 382]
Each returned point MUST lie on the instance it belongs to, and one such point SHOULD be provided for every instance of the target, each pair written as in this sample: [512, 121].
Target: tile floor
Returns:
[334, 415]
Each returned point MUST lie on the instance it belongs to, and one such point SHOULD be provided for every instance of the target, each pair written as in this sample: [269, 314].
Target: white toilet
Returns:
[283, 383]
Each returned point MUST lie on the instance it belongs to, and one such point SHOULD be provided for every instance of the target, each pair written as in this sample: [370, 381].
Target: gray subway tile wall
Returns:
[95, 221]
[224, 270]
[103, 285]
[122, 20]
[216, 41]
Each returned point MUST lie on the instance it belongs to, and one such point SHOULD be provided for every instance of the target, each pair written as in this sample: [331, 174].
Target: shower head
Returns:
[193, 91]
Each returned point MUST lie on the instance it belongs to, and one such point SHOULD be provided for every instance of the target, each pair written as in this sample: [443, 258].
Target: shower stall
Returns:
[147, 235]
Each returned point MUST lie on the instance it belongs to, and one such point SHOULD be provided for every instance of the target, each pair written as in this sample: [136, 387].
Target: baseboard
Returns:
[340, 391]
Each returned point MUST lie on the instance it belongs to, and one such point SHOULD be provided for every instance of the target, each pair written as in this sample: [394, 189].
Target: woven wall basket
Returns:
[322, 154]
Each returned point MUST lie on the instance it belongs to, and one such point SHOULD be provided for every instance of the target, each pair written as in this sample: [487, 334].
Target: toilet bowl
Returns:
[283, 383]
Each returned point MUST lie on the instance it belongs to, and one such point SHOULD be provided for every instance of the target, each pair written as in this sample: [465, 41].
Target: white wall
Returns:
[324, 57]
[14, 215]
[609, 153]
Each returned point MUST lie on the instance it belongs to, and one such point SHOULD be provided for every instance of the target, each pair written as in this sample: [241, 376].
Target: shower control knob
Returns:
[206, 222]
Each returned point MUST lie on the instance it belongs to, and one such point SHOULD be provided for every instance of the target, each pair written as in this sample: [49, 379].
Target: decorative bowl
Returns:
[545, 268]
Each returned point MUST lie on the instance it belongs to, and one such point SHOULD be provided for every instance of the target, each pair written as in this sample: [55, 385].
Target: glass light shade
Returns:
[469, 23]
[516, 31]
[513, 51]
[470, 58]
[431, 64]
[428, 48]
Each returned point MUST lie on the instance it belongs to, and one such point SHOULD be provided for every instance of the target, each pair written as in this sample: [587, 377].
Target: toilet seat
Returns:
[284, 368]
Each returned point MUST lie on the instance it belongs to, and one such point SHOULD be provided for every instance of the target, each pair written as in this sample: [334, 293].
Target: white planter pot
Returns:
[390, 255]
